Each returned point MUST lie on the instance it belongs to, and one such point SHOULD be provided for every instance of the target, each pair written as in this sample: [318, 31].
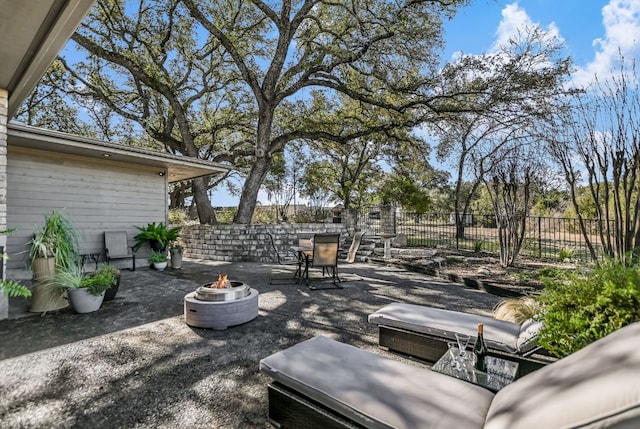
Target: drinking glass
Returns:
[463, 341]
[454, 351]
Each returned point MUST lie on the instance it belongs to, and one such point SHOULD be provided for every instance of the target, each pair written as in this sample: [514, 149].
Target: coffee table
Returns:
[500, 372]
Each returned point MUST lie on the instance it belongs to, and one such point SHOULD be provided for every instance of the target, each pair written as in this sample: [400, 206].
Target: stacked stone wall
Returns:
[236, 243]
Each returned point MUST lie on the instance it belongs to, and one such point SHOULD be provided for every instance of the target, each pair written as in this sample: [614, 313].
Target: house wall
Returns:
[97, 195]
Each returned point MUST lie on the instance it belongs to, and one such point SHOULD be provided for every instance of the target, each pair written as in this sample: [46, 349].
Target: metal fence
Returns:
[545, 237]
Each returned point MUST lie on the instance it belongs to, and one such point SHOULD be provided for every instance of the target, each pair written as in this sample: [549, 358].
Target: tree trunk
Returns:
[206, 214]
[260, 167]
[250, 190]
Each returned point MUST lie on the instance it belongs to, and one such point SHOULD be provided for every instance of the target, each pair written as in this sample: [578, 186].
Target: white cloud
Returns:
[515, 20]
[621, 19]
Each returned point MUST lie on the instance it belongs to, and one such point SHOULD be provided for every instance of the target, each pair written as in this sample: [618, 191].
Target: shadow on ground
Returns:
[136, 363]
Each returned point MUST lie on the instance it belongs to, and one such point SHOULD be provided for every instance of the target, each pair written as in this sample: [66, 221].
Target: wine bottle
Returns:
[480, 350]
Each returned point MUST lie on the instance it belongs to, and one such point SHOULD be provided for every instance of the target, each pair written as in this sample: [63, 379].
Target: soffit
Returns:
[32, 32]
[177, 168]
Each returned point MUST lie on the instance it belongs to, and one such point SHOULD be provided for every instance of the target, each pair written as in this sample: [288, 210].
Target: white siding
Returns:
[97, 196]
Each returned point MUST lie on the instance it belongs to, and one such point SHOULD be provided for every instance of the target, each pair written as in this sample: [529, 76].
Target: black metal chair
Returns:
[285, 258]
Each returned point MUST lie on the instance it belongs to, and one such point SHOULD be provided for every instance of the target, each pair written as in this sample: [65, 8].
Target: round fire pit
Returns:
[236, 291]
[218, 309]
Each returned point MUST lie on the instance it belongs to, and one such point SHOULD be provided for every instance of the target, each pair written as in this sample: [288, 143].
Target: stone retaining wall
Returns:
[235, 243]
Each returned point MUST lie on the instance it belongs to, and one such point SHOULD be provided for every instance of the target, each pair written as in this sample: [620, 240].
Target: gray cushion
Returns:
[528, 338]
[498, 334]
[375, 391]
[598, 386]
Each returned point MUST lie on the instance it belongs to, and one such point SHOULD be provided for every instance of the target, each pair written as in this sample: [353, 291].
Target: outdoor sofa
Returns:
[421, 331]
[322, 383]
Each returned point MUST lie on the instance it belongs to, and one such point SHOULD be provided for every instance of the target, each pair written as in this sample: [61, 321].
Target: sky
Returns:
[593, 30]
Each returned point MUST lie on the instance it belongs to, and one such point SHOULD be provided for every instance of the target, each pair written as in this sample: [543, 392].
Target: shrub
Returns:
[226, 214]
[565, 254]
[584, 307]
[477, 246]
[178, 216]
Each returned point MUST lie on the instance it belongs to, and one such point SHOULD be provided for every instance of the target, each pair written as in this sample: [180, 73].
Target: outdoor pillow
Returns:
[528, 338]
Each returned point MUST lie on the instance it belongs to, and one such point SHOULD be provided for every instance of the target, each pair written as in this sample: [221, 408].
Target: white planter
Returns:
[160, 266]
[176, 258]
[84, 302]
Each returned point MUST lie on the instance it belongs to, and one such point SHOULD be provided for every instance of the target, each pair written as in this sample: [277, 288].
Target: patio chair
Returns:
[325, 256]
[305, 238]
[285, 258]
[423, 332]
[322, 383]
[117, 247]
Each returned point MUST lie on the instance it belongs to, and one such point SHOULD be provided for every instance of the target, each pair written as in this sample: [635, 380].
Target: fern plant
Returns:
[12, 288]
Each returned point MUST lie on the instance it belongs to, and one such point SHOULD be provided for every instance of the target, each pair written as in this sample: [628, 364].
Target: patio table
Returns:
[500, 372]
[304, 254]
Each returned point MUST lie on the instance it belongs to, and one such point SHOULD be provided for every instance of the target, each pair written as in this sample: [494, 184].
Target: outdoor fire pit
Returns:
[221, 304]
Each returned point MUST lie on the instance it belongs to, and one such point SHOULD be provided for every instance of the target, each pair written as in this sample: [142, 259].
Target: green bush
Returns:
[584, 307]
[226, 214]
[565, 254]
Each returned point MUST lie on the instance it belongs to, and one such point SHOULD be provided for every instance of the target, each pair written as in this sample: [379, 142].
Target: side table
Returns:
[500, 372]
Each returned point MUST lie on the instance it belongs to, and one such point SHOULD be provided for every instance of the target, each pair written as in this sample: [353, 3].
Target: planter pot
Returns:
[176, 258]
[110, 293]
[43, 269]
[84, 302]
[46, 298]
[160, 266]
[155, 245]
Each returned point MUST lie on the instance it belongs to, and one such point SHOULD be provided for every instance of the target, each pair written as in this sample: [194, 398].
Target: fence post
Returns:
[539, 236]
[387, 220]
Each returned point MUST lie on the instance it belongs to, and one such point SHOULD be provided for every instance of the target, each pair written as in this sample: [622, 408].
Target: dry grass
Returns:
[516, 310]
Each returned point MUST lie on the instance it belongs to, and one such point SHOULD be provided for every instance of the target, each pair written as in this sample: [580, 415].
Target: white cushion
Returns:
[498, 334]
[596, 387]
[375, 391]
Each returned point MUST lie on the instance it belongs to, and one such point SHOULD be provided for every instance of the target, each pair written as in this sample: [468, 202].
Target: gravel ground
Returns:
[136, 364]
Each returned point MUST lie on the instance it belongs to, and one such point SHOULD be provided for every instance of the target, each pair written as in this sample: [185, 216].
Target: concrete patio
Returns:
[135, 362]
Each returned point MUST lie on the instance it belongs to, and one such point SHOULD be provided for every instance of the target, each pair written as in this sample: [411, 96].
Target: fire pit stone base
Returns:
[219, 315]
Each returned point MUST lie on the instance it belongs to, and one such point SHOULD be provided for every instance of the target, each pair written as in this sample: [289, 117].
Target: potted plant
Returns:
[158, 259]
[176, 252]
[157, 235]
[86, 293]
[54, 247]
[110, 293]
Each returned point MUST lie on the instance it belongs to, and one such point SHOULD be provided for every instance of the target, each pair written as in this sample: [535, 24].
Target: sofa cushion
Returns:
[598, 386]
[498, 334]
[528, 339]
[375, 391]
